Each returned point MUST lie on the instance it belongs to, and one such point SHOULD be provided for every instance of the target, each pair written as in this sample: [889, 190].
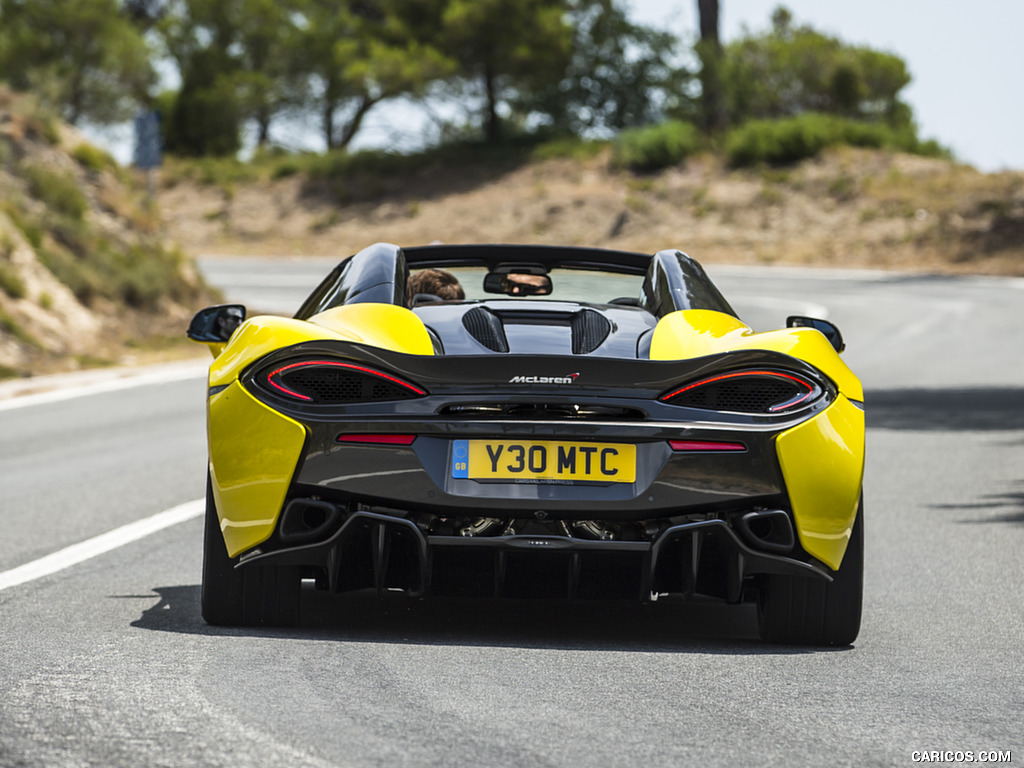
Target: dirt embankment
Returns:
[87, 273]
[849, 208]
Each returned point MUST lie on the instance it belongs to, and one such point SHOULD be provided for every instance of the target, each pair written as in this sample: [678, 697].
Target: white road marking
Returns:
[117, 380]
[101, 544]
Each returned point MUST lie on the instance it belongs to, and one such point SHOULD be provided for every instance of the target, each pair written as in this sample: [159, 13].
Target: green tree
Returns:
[238, 61]
[81, 56]
[619, 74]
[507, 48]
[358, 54]
[790, 70]
[713, 116]
[269, 50]
[205, 115]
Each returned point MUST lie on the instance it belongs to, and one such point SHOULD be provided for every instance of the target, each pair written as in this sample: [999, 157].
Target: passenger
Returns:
[434, 282]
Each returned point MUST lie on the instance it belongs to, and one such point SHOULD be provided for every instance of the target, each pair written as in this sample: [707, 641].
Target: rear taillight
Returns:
[326, 382]
[377, 439]
[705, 446]
[752, 391]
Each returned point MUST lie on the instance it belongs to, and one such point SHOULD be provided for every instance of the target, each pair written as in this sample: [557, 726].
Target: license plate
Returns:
[543, 460]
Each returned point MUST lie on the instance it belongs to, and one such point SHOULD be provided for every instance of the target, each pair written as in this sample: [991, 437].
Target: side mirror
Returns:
[829, 330]
[214, 325]
[517, 284]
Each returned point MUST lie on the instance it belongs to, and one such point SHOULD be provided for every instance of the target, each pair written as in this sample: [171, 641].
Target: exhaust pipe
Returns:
[768, 529]
[305, 520]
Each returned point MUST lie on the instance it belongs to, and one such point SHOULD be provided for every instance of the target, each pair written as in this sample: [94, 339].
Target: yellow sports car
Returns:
[519, 420]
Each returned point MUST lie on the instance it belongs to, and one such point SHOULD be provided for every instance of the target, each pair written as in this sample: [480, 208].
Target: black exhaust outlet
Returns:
[305, 520]
[768, 529]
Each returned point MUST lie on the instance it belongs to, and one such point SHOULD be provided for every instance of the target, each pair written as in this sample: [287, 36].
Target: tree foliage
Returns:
[358, 54]
[506, 48]
[792, 69]
[82, 57]
[575, 66]
[619, 74]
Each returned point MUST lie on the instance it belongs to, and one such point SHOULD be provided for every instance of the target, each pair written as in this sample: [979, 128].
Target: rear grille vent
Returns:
[589, 330]
[334, 382]
[334, 385]
[748, 392]
[744, 395]
[486, 328]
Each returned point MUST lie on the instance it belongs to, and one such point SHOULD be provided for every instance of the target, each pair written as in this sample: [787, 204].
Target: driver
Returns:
[519, 284]
[227, 321]
[435, 282]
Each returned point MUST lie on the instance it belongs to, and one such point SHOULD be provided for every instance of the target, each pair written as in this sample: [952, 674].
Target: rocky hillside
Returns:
[849, 207]
[86, 274]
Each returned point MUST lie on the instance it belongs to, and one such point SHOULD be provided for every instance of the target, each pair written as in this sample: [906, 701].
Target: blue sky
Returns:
[966, 58]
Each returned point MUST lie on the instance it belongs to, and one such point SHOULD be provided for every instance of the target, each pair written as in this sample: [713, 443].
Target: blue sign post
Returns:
[148, 153]
[148, 149]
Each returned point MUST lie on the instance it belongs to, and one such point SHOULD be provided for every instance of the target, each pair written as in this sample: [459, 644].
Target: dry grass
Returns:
[848, 208]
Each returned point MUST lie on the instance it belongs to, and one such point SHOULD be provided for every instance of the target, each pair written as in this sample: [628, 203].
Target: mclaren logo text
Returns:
[569, 379]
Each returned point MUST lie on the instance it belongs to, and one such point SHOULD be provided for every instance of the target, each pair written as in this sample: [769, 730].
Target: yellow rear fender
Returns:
[822, 461]
[691, 333]
[379, 325]
[253, 452]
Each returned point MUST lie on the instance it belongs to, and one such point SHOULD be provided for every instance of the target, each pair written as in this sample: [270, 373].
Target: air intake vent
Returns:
[589, 330]
[486, 328]
[747, 392]
[325, 382]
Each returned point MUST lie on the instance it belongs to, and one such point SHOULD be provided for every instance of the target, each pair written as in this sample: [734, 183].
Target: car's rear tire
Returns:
[800, 611]
[244, 597]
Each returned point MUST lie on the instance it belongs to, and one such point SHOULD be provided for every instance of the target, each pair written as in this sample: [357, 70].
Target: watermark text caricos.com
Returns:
[960, 756]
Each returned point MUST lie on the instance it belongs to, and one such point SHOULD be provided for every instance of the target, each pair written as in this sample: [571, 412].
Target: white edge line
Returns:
[113, 385]
[101, 544]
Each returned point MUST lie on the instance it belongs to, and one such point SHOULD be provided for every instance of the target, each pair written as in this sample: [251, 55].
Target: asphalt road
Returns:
[108, 663]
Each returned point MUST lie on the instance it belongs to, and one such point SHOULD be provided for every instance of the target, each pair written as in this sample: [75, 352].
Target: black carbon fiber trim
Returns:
[589, 330]
[485, 327]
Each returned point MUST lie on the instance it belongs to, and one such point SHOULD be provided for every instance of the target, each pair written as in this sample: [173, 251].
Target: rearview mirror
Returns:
[214, 325]
[517, 284]
[829, 330]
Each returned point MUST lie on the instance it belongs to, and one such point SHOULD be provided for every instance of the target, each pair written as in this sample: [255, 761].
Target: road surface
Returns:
[107, 662]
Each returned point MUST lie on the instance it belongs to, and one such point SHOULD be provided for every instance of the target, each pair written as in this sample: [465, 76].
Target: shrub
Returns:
[57, 190]
[655, 147]
[285, 168]
[569, 147]
[93, 158]
[778, 142]
[11, 282]
[75, 274]
[31, 230]
[9, 325]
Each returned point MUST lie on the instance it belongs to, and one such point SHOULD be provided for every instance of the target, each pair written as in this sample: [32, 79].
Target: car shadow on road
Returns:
[362, 617]
[966, 409]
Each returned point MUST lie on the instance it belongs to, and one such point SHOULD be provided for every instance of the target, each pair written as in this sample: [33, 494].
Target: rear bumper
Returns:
[388, 553]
